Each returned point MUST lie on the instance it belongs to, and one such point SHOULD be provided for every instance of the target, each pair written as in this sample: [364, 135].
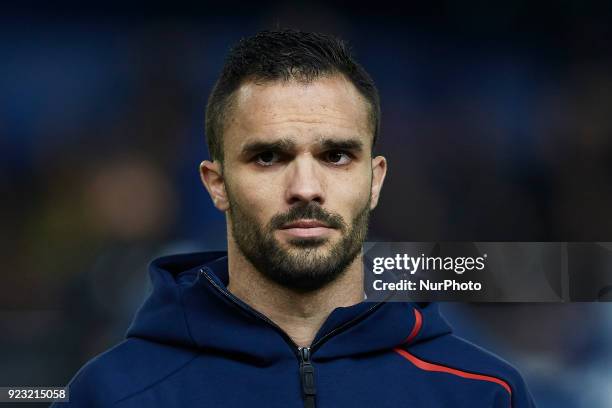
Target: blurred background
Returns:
[497, 125]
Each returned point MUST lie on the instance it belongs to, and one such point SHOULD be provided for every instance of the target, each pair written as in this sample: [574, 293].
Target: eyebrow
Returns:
[344, 144]
[281, 145]
[288, 145]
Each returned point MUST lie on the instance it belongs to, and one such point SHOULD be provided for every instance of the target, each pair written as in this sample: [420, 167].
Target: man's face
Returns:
[298, 176]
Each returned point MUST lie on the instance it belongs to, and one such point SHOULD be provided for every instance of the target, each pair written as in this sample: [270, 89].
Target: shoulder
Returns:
[126, 369]
[458, 356]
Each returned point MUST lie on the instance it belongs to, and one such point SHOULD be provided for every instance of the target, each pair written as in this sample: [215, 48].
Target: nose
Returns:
[305, 182]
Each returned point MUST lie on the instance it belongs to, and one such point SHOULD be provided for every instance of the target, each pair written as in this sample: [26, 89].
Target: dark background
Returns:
[497, 124]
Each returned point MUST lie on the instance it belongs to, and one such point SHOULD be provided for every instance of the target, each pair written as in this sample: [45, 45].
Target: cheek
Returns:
[352, 194]
[256, 198]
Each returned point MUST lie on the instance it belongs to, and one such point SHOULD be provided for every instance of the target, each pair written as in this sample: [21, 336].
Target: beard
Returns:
[308, 264]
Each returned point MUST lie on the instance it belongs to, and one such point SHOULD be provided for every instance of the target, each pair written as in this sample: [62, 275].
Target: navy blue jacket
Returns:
[194, 344]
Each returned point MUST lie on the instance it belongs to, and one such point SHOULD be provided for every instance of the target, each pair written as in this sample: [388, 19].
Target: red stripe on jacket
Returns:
[427, 366]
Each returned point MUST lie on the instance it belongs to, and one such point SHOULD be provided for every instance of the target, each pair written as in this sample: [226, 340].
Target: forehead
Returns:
[326, 107]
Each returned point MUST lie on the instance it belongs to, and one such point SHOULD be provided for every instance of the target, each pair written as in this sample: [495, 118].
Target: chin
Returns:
[308, 243]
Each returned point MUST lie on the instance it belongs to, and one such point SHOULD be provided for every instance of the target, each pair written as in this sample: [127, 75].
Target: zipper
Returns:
[303, 354]
[309, 390]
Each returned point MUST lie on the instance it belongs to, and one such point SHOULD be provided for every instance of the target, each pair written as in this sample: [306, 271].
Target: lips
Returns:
[306, 229]
[305, 224]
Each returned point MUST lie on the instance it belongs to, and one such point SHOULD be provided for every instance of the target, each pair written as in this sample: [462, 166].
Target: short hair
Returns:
[284, 55]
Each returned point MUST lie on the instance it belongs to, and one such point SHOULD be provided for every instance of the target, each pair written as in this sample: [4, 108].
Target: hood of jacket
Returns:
[190, 307]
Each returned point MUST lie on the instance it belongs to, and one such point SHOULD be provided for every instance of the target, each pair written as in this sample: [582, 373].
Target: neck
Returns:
[300, 315]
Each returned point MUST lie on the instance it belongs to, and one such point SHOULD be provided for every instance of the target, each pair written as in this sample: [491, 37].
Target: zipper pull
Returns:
[309, 390]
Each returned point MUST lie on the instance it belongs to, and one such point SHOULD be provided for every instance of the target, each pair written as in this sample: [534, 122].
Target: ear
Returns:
[212, 178]
[379, 170]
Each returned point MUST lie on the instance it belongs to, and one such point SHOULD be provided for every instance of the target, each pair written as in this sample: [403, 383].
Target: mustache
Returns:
[310, 211]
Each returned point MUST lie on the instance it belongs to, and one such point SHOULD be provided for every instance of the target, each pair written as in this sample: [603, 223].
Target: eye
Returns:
[267, 158]
[337, 157]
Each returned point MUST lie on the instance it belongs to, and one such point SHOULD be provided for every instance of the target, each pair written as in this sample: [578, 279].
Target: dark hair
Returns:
[283, 55]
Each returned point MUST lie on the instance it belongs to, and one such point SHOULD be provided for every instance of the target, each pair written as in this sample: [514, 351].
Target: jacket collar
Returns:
[191, 307]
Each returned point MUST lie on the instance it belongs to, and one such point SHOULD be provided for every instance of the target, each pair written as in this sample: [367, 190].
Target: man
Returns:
[279, 320]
